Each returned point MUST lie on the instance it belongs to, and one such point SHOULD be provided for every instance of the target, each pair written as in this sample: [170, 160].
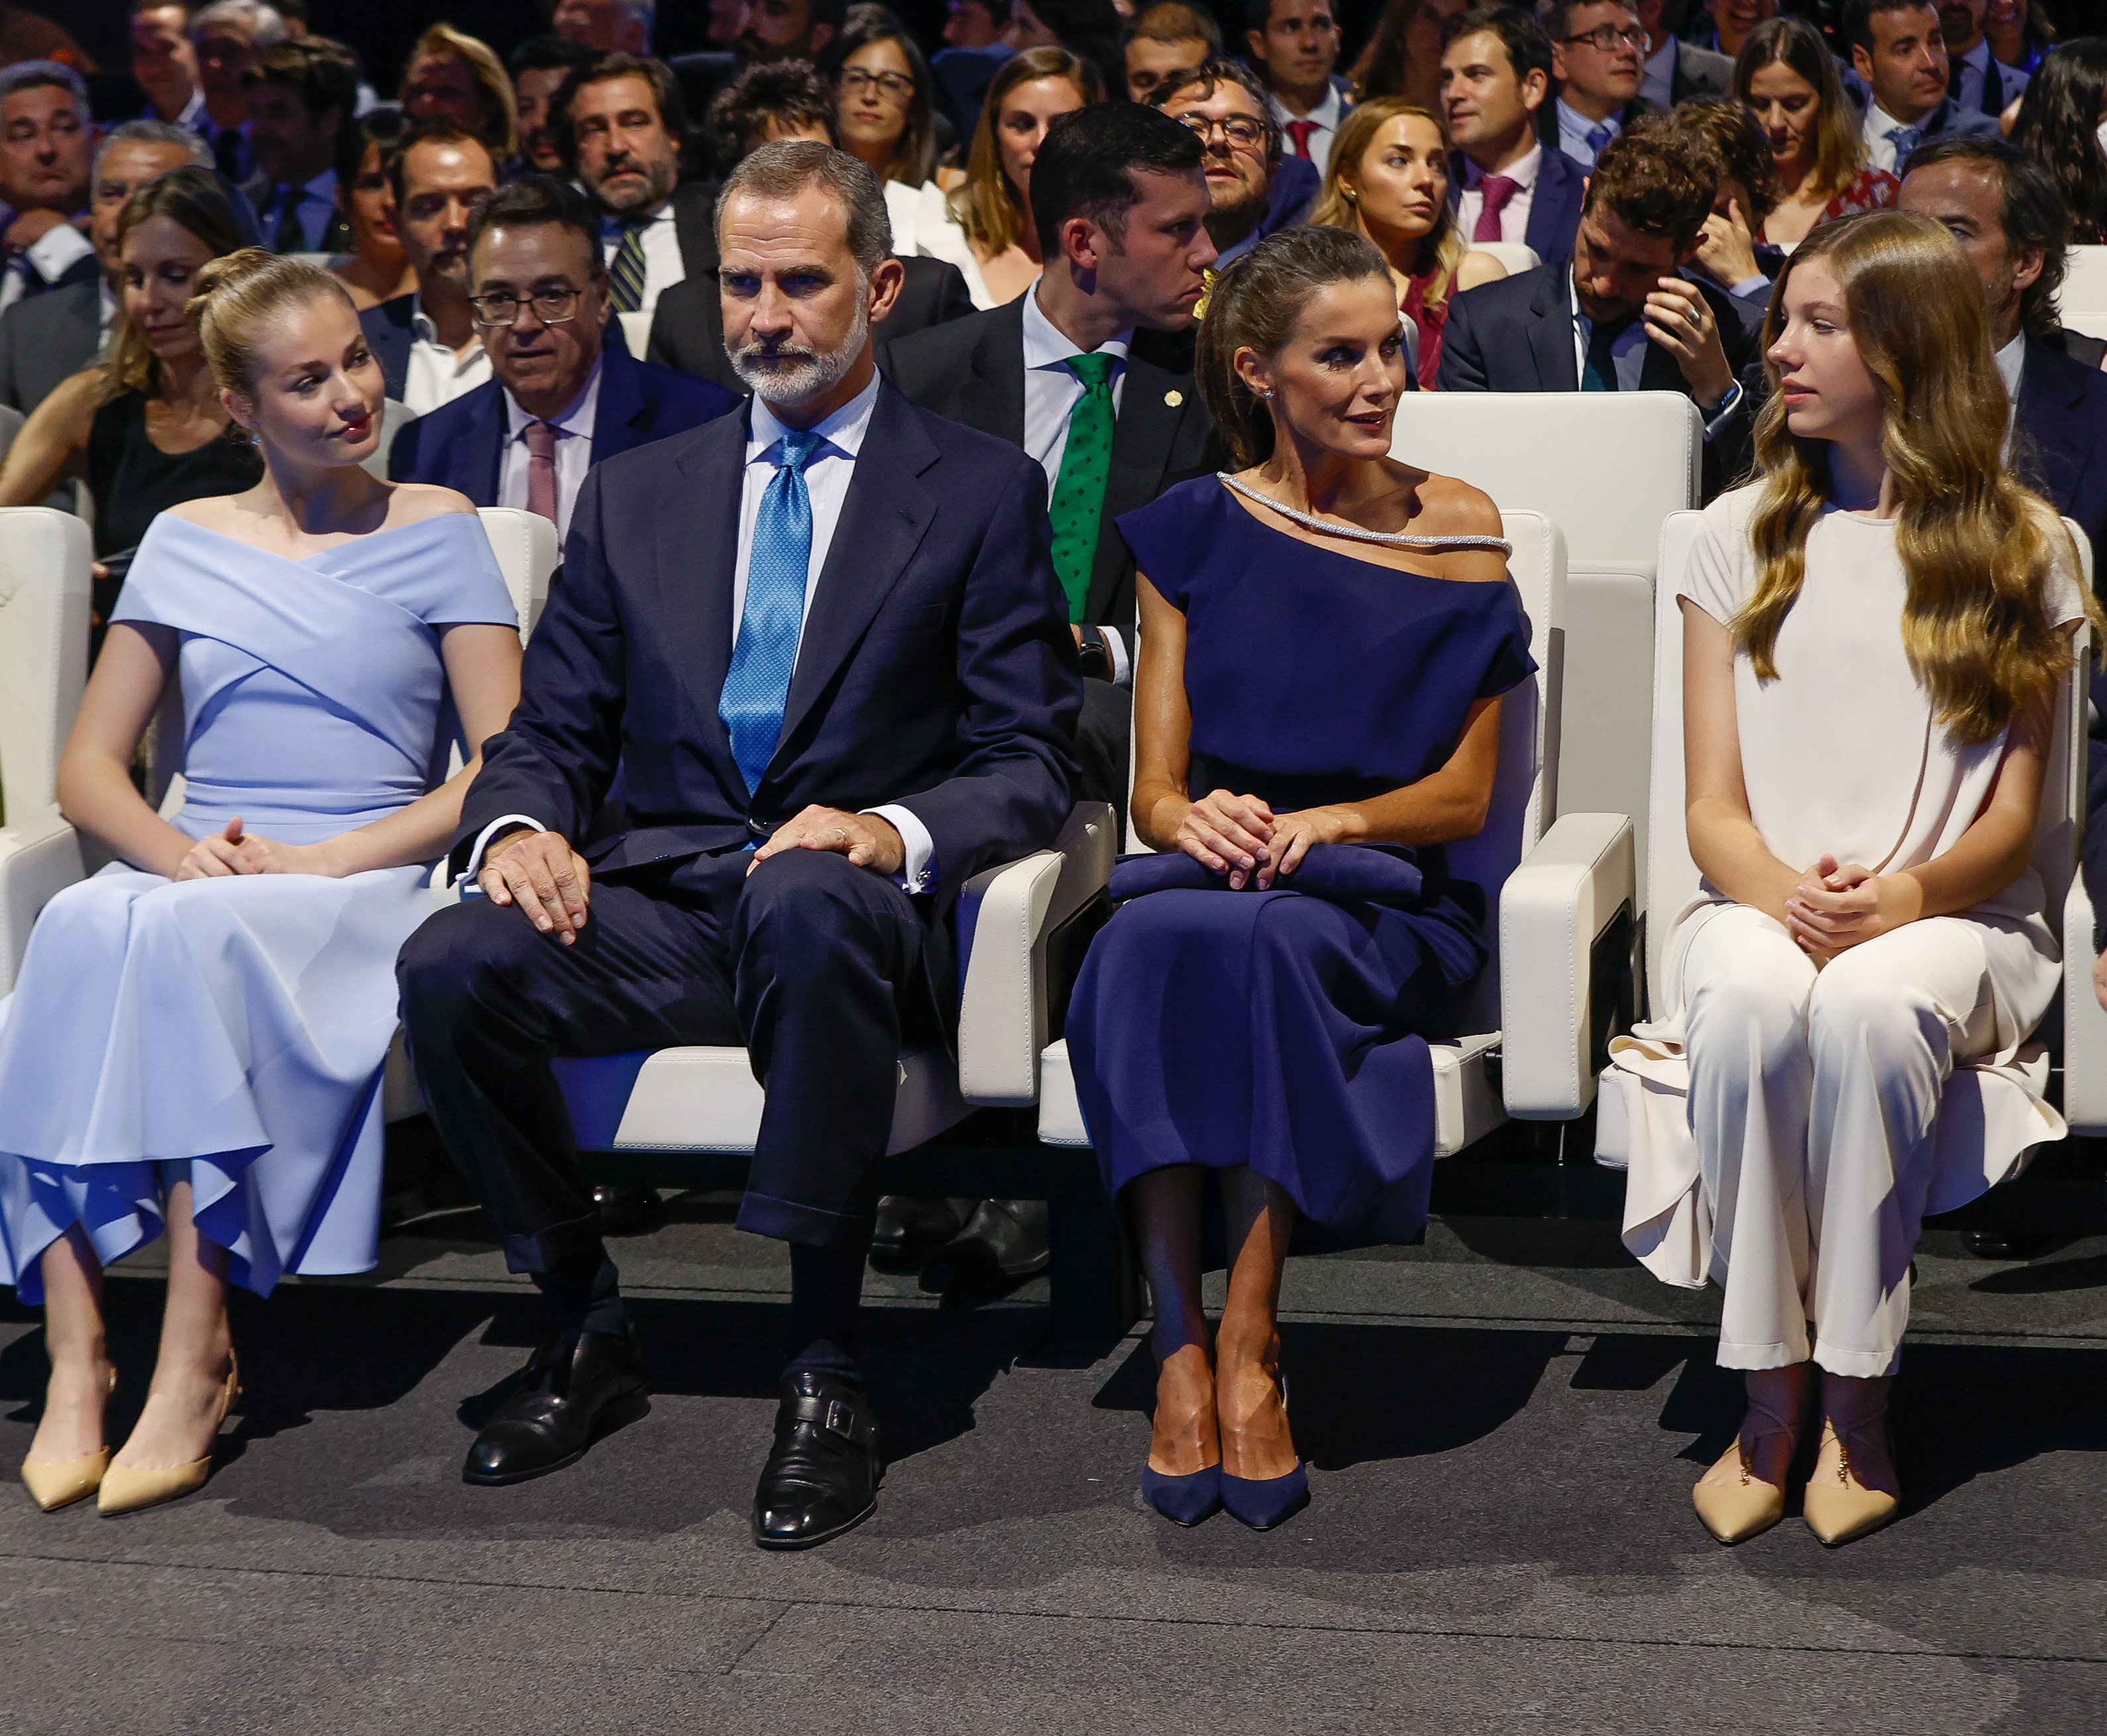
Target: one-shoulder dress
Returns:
[1279, 1029]
[232, 1030]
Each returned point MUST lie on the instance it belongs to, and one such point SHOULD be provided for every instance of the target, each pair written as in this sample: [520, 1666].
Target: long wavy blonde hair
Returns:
[1439, 251]
[1976, 545]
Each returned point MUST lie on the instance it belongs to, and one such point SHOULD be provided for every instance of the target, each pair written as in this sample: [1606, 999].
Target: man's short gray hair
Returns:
[265, 24]
[28, 75]
[154, 132]
[785, 169]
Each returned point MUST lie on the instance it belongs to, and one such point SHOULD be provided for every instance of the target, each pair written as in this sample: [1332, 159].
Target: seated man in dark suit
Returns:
[1676, 70]
[1899, 77]
[1617, 318]
[1508, 186]
[1598, 61]
[1091, 373]
[561, 397]
[824, 646]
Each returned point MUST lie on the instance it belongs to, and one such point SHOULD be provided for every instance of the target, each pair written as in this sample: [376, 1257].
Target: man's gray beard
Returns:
[795, 377]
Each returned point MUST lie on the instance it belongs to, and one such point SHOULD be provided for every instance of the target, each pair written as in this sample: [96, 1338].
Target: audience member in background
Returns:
[48, 337]
[426, 342]
[1676, 71]
[975, 47]
[1977, 79]
[145, 428]
[541, 67]
[320, 624]
[1403, 58]
[302, 99]
[1389, 181]
[1257, 190]
[1224, 1020]
[2060, 127]
[1786, 77]
[1093, 29]
[992, 207]
[776, 100]
[1295, 47]
[1598, 59]
[1166, 37]
[1509, 186]
[1899, 53]
[1724, 26]
[450, 76]
[788, 29]
[606, 26]
[375, 267]
[226, 36]
[940, 746]
[1091, 373]
[884, 116]
[1867, 954]
[46, 156]
[560, 399]
[1618, 318]
[2002, 207]
[2020, 35]
[164, 64]
[26, 35]
[628, 129]
[1729, 254]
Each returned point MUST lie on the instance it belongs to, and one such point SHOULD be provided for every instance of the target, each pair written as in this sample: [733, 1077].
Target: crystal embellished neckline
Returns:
[1354, 533]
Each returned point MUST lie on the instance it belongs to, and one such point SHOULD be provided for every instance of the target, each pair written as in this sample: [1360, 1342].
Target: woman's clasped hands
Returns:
[1240, 836]
[235, 851]
[1841, 904]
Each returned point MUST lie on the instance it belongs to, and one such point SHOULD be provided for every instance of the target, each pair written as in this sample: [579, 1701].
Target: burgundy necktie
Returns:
[541, 469]
[1298, 136]
[1497, 191]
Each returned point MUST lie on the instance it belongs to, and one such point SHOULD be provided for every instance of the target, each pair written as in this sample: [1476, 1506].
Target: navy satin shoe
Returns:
[1183, 1500]
[1263, 1502]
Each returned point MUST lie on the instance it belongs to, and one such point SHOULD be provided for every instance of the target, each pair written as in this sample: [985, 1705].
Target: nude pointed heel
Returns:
[125, 1490]
[56, 1484]
[1843, 1510]
[1735, 1512]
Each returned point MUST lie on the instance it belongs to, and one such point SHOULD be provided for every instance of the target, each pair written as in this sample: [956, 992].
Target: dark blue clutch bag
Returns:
[1346, 873]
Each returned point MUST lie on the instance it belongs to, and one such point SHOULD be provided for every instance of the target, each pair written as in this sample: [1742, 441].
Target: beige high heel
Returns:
[1735, 1512]
[125, 1490]
[56, 1484]
[1842, 1511]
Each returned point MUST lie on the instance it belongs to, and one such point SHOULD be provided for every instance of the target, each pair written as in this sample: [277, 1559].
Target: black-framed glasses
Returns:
[1607, 38]
[896, 85]
[1240, 130]
[501, 306]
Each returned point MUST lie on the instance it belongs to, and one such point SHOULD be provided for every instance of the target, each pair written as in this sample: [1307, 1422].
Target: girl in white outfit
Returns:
[1874, 636]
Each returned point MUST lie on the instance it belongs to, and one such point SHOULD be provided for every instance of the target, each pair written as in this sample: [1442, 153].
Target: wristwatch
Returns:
[1097, 660]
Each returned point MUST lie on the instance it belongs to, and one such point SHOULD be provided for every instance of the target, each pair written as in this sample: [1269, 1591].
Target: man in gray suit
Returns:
[1676, 71]
[45, 338]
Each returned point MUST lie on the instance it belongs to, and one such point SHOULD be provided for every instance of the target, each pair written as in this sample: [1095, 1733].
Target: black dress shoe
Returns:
[822, 1474]
[576, 1388]
[625, 1211]
[910, 1231]
[1004, 1242]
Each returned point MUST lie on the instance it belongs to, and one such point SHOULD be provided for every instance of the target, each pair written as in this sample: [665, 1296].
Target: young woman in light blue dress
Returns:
[195, 1040]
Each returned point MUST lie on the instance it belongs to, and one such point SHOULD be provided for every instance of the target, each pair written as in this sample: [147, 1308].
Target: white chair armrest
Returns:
[1004, 916]
[1562, 896]
[2084, 1024]
[38, 860]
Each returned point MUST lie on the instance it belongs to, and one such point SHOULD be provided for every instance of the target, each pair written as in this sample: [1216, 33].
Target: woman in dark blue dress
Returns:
[1325, 637]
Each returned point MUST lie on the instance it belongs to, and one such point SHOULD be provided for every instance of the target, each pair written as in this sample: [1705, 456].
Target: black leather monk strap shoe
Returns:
[822, 1474]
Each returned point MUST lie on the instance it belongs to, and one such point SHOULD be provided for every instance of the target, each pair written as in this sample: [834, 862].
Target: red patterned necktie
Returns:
[1497, 191]
[1298, 136]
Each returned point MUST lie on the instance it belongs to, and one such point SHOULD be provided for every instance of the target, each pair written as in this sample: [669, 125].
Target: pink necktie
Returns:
[1298, 136]
[541, 469]
[1498, 190]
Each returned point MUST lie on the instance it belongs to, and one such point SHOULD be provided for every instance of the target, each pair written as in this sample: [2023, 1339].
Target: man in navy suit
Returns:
[824, 644]
[1899, 56]
[1617, 318]
[561, 397]
[1507, 185]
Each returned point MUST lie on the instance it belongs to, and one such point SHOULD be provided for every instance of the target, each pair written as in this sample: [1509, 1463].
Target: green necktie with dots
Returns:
[1079, 494]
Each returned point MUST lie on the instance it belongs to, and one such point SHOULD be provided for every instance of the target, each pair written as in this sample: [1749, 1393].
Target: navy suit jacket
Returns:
[937, 669]
[1554, 210]
[2061, 435]
[461, 444]
[390, 335]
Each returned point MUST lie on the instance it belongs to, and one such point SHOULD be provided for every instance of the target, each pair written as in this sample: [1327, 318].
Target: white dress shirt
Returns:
[574, 438]
[1514, 214]
[1327, 115]
[435, 375]
[663, 267]
[50, 257]
[314, 204]
[2011, 363]
[1574, 128]
[1879, 148]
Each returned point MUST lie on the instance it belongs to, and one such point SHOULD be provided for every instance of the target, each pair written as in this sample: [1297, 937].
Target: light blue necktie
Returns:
[1599, 136]
[757, 686]
[1905, 139]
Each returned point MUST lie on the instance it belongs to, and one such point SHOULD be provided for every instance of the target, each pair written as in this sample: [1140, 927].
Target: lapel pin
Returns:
[1174, 398]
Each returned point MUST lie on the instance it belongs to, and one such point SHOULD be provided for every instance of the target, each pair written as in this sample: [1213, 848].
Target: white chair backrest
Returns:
[1517, 256]
[393, 414]
[636, 333]
[2084, 289]
[525, 545]
[1672, 877]
[1525, 789]
[1604, 467]
[44, 593]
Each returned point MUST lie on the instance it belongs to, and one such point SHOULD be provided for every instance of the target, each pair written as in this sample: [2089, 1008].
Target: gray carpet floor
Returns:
[1503, 1425]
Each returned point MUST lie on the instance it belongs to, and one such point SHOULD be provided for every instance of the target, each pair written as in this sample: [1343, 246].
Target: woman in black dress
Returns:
[144, 427]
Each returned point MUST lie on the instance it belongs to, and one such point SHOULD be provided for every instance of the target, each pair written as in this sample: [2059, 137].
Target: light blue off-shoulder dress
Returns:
[232, 1030]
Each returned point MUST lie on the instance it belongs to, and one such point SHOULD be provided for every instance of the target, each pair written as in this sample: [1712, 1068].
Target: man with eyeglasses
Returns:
[561, 397]
[1255, 188]
[1599, 50]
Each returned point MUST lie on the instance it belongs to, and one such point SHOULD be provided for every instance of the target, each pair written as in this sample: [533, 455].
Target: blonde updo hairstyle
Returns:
[239, 297]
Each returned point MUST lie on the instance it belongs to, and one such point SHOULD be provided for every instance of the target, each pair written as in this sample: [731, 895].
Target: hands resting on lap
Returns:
[1240, 836]
[236, 851]
[1842, 904]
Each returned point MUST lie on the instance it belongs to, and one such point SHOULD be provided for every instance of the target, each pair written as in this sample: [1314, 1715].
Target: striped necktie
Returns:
[628, 272]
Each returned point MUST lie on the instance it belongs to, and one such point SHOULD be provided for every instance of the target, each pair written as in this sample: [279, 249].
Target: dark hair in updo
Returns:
[1255, 304]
